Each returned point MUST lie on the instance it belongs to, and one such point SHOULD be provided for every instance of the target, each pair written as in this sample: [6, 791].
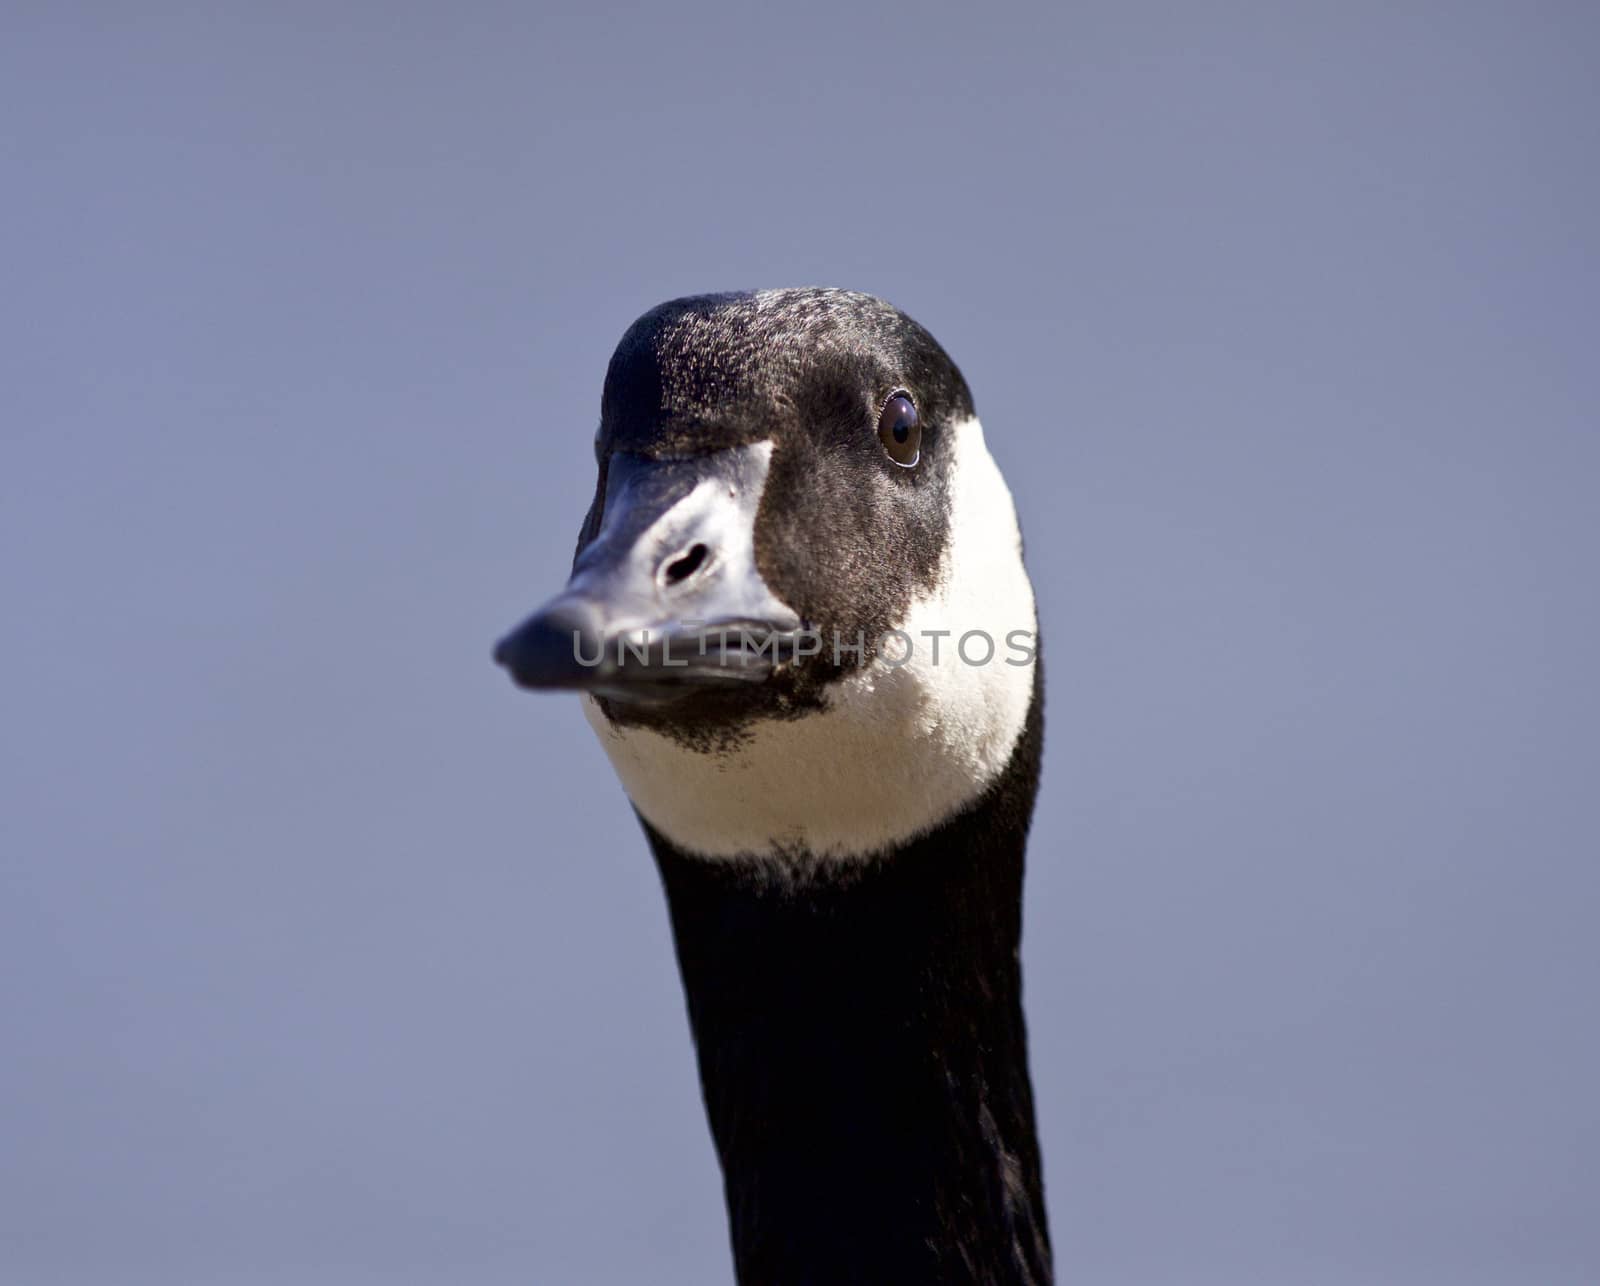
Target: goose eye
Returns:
[900, 431]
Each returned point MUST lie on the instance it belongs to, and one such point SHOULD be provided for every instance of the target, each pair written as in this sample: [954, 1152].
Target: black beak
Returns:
[666, 599]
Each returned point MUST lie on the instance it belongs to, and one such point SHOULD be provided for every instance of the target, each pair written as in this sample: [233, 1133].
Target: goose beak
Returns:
[666, 599]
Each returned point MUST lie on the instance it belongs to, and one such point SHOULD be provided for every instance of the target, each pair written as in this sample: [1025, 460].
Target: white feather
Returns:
[896, 751]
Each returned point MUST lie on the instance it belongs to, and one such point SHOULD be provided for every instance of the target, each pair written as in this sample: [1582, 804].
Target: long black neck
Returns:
[863, 1054]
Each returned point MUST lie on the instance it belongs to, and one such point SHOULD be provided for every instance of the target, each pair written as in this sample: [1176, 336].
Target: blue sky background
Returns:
[325, 957]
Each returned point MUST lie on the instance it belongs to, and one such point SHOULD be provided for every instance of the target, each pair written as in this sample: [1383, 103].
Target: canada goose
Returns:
[801, 627]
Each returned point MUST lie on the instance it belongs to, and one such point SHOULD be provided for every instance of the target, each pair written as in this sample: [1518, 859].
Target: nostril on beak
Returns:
[685, 565]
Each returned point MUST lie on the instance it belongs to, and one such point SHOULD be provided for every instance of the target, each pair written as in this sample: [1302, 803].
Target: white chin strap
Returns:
[897, 748]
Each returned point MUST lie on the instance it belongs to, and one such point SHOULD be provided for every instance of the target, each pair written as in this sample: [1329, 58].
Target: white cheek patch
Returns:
[895, 751]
